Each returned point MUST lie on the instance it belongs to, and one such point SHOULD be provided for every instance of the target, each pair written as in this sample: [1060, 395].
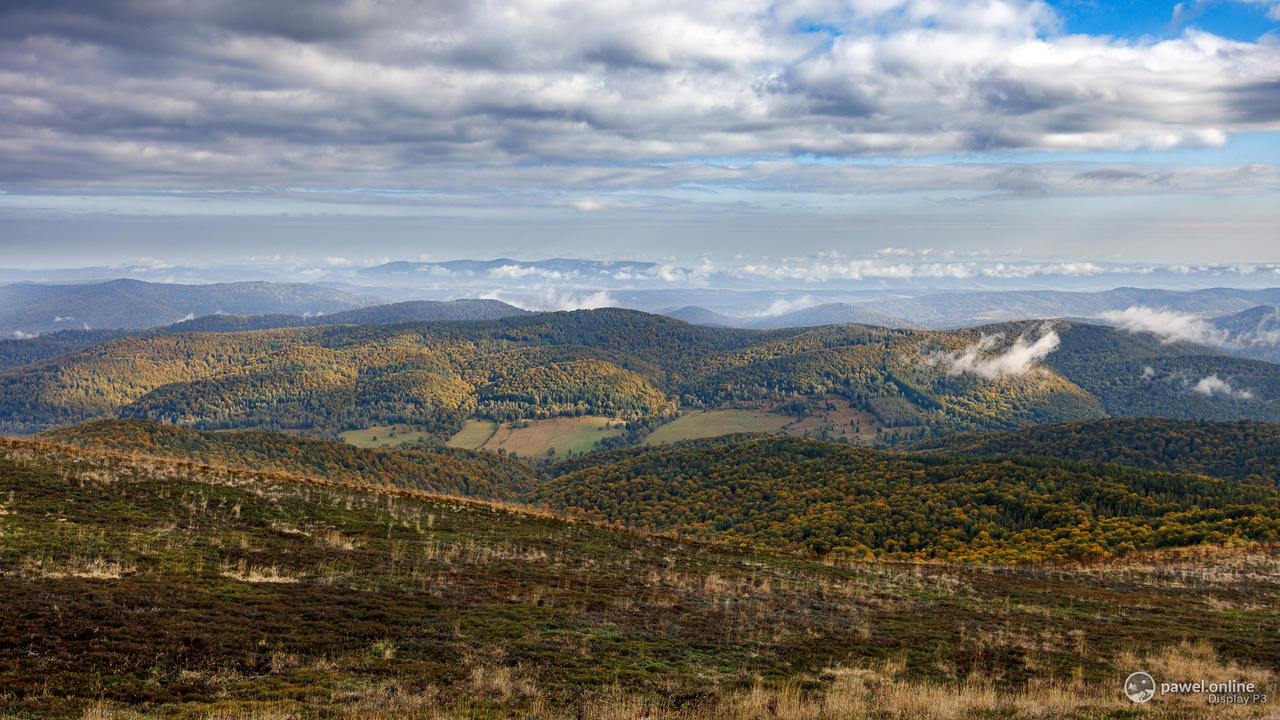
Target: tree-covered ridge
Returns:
[806, 496]
[1244, 450]
[629, 364]
[450, 472]
[1143, 375]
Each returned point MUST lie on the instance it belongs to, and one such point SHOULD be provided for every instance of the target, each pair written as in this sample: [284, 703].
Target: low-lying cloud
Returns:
[1174, 325]
[1212, 385]
[552, 299]
[1020, 358]
[1170, 324]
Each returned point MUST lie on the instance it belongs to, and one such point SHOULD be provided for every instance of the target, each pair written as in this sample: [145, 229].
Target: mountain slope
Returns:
[144, 588]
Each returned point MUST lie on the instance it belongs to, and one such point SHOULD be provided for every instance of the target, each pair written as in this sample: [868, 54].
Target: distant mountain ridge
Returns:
[817, 315]
[949, 310]
[28, 309]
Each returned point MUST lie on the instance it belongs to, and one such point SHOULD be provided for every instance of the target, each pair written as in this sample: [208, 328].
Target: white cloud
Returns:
[552, 299]
[63, 318]
[20, 335]
[1019, 359]
[1174, 325]
[335, 261]
[1170, 324]
[1213, 385]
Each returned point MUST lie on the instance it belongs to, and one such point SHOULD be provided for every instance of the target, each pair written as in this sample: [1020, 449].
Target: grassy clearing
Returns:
[710, 423]
[384, 436]
[474, 434]
[121, 577]
[532, 438]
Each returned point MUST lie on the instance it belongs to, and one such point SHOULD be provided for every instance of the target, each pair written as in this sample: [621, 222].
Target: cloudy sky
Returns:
[241, 130]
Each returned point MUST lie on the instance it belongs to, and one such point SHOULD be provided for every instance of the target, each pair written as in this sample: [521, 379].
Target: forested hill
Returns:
[807, 496]
[447, 472]
[1246, 450]
[629, 364]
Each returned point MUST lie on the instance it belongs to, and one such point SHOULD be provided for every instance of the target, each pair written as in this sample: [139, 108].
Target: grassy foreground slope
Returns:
[1245, 450]
[137, 588]
[807, 496]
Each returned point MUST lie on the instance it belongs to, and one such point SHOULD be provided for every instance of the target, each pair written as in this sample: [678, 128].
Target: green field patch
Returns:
[531, 438]
[474, 433]
[384, 436]
[710, 423]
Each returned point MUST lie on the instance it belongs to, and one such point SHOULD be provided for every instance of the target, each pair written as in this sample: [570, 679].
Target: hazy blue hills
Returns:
[28, 309]
[946, 310]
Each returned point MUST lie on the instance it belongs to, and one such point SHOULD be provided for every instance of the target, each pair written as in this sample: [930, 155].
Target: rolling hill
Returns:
[137, 587]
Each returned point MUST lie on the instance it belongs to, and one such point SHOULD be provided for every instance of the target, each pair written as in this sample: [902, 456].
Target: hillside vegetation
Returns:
[136, 589]
[629, 365]
[48, 346]
[1246, 451]
[825, 498]
[446, 471]
[794, 495]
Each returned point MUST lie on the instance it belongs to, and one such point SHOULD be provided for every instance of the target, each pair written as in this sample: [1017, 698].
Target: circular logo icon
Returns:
[1140, 687]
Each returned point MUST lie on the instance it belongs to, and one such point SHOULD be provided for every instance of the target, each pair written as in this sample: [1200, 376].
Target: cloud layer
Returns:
[235, 94]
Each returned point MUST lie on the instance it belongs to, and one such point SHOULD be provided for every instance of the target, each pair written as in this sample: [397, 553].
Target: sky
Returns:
[238, 131]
